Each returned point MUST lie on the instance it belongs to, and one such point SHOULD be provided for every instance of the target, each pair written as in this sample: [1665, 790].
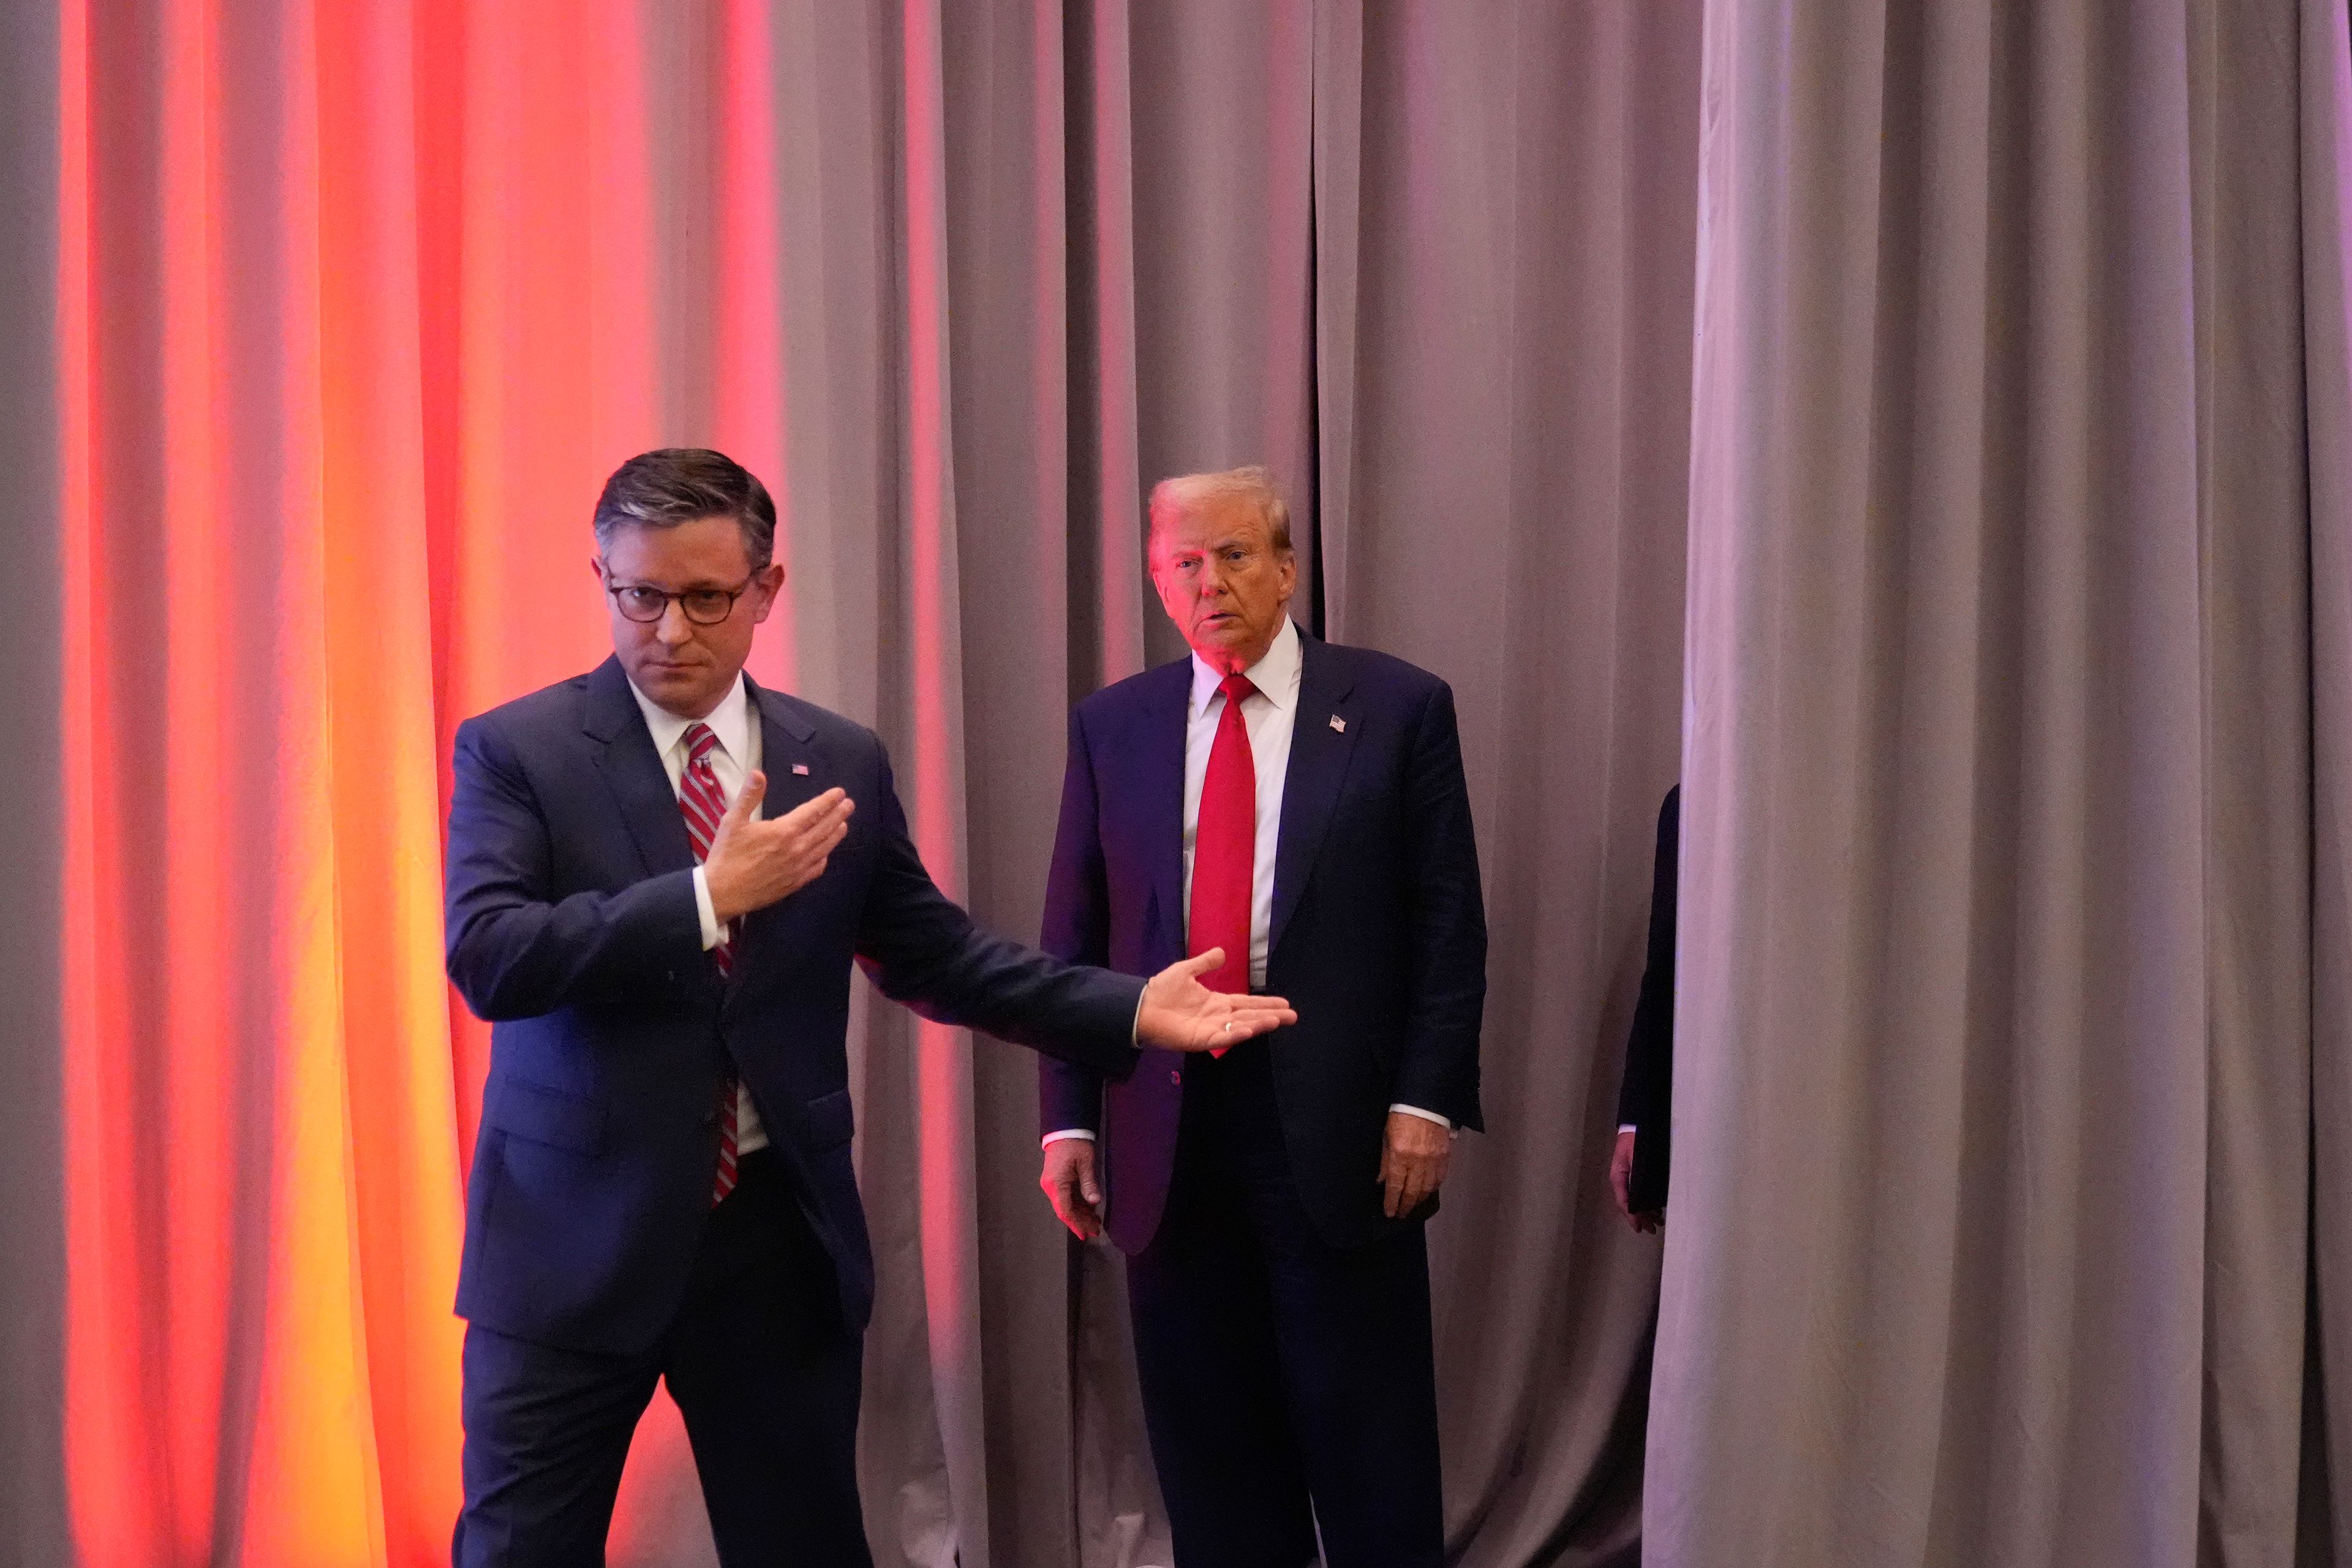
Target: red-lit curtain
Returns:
[260, 1145]
[356, 301]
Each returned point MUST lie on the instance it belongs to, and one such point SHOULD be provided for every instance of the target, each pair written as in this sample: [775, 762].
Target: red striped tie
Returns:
[704, 803]
[1225, 848]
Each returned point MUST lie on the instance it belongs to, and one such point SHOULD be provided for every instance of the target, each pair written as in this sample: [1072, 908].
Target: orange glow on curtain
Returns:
[360, 299]
[261, 1159]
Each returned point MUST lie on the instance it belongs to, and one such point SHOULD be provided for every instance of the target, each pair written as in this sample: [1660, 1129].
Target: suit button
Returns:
[1175, 1077]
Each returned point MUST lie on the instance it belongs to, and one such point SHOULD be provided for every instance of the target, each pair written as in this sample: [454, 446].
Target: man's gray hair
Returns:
[1253, 484]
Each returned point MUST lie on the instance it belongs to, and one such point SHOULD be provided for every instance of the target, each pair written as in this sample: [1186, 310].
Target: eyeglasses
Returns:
[645, 604]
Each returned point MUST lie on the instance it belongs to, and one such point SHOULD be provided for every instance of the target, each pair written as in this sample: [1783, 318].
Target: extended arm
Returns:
[924, 950]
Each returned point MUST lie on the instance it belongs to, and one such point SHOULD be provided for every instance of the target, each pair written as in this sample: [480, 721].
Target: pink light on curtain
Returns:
[952, 1294]
[748, 346]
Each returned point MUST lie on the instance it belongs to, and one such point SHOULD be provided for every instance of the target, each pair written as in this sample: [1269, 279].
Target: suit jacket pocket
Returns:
[830, 1119]
[543, 1115]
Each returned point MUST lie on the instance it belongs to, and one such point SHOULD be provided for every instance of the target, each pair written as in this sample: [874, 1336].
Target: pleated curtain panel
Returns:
[1924, 431]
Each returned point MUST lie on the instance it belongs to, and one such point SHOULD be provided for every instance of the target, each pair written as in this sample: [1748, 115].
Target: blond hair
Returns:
[1254, 485]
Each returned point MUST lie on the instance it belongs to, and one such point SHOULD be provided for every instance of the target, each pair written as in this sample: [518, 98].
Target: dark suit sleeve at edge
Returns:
[1649, 1045]
[511, 953]
[922, 949]
[1076, 931]
[1440, 1066]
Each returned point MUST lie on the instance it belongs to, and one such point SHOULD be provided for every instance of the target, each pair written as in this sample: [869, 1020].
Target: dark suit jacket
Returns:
[571, 927]
[1378, 936]
[1646, 1098]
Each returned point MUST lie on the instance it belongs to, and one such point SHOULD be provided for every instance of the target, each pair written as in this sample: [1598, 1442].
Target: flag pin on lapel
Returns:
[1339, 723]
[800, 768]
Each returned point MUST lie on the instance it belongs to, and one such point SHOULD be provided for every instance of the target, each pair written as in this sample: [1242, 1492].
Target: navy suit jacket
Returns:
[1645, 1100]
[1378, 936]
[573, 928]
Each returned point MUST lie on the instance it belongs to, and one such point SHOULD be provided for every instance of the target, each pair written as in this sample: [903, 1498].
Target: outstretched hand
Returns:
[1180, 1013]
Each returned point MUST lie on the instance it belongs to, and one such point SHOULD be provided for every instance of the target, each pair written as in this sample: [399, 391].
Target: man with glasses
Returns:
[659, 875]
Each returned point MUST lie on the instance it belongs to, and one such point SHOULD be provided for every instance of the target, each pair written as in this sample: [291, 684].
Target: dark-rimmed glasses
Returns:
[645, 604]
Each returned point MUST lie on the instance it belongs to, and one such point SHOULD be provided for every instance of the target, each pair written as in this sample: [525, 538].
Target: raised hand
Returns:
[1069, 1181]
[1180, 1013]
[753, 863]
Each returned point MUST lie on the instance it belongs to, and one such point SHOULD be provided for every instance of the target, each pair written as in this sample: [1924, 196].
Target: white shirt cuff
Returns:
[1624, 1127]
[1424, 1115]
[703, 908]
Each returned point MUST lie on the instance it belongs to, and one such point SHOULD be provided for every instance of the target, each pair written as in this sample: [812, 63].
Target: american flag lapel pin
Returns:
[800, 769]
[1339, 723]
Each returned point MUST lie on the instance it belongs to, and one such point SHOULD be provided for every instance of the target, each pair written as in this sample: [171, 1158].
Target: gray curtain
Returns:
[1507, 285]
[1995, 1067]
[2323, 48]
[32, 1240]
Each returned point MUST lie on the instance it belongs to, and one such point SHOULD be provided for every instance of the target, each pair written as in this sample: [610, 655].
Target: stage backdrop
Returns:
[1995, 358]
[340, 313]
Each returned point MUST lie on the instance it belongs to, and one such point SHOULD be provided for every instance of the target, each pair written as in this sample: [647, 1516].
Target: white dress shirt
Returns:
[734, 759]
[1270, 717]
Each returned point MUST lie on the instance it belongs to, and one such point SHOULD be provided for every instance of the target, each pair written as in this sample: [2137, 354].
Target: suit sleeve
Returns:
[1076, 931]
[512, 953]
[1649, 1045]
[922, 949]
[1439, 1070]
[1647, 1099]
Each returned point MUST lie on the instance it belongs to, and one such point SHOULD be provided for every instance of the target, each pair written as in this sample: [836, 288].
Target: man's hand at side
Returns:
[1621, 1181]
[753, 863]
[1180, 1013]
[1069, 1181]
[1412, 1161]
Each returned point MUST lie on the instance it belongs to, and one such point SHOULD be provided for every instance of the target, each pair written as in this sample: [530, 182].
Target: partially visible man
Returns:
[1637, 1174]
[663, 937]
[1300, 808]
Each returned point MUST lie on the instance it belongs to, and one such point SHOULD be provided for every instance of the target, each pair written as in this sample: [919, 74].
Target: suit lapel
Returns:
[1160, 770]
[797, 772]
[633, 771]
[788, 754]
[1320, 754]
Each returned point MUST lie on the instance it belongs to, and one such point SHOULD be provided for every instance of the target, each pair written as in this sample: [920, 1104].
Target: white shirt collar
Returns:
[731, 721]
[1275, 675]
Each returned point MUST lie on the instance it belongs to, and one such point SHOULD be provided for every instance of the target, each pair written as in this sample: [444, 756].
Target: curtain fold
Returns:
[1504, 233]
[32, 1237]
[2325, 58]
[1996, 1028]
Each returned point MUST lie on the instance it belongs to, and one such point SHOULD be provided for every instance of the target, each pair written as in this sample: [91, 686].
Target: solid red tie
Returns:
[1225, 848]
[704, 803]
